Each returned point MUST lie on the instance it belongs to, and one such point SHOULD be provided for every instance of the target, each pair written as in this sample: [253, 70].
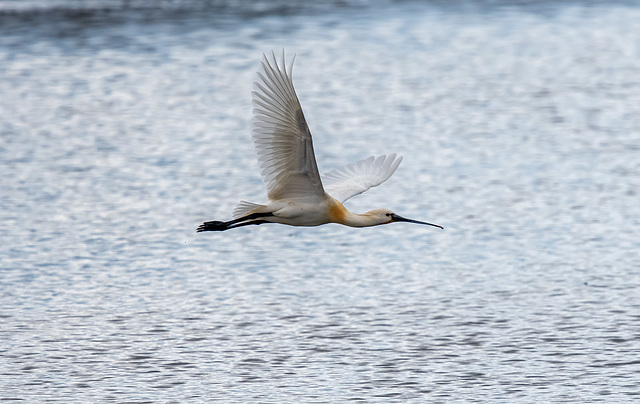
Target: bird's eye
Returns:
[388, 214]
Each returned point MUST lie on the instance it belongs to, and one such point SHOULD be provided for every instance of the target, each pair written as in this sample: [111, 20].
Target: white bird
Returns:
[298, 195]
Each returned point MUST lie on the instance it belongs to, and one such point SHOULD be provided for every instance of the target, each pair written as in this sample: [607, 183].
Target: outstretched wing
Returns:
[281, 136]
[354, 179]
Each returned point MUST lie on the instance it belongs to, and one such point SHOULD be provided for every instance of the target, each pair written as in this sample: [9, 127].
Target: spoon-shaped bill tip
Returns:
[398, 218]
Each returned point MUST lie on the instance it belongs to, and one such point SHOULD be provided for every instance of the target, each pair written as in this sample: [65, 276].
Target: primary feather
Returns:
[282, 138]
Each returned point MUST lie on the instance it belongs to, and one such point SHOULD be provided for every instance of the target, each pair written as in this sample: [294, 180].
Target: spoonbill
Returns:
[298, 194]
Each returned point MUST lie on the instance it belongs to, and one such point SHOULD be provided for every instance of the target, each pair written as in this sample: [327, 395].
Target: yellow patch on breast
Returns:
[337, 212]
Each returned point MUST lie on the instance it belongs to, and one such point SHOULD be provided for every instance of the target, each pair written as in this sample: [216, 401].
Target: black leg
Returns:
[231, 224]
[248, 223]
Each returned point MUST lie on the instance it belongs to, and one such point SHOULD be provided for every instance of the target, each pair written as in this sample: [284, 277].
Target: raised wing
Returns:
[354, 179]
[281, 136]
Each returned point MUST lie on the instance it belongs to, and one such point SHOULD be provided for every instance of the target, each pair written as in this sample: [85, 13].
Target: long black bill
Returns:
[398, 218]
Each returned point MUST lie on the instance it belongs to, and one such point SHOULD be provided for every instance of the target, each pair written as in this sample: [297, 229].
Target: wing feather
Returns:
[353, 179]
[281, 136]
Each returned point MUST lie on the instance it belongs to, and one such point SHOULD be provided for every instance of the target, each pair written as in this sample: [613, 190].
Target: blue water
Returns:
[125, 126]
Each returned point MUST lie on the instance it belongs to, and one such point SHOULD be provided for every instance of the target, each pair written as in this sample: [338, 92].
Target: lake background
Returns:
[125, 124]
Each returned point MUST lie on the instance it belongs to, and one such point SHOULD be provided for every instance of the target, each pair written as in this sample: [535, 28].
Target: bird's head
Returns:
[384, 216]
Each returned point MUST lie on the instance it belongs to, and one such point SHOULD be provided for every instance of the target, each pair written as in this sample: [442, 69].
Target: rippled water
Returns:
[121, 130]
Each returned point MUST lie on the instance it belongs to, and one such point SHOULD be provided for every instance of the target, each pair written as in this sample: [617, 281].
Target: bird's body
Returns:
[325, 210]
[298, 194]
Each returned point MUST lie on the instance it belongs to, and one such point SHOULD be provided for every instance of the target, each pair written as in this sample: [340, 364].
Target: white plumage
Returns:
[353, 179]
[282, 138]
[288, 166]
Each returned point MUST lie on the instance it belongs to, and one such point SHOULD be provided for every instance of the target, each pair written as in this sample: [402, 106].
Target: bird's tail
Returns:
[243, 208]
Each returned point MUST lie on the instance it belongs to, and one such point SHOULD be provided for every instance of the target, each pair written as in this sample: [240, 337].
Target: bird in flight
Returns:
[298, 195]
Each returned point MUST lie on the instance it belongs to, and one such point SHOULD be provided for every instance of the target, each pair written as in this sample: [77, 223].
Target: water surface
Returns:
[122, 128]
